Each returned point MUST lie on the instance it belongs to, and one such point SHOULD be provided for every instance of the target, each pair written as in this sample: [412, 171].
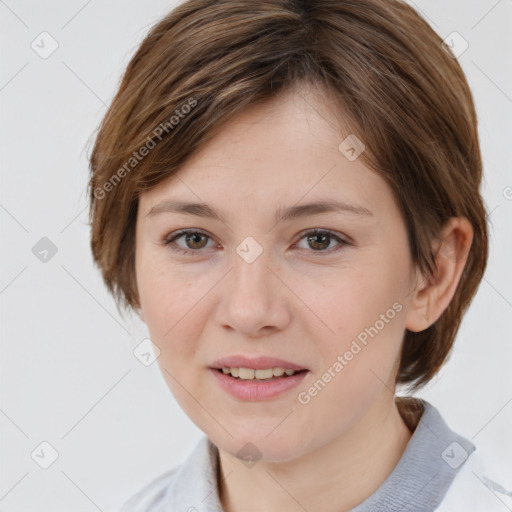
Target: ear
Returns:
[432, 296]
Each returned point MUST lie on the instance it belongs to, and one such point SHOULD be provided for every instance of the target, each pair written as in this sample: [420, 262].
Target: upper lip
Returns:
[257, 363]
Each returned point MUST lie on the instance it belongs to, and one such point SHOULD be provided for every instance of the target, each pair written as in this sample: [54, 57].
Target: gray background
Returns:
[68, 373]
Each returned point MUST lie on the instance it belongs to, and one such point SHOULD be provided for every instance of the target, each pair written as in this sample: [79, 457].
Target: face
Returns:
[325, 289]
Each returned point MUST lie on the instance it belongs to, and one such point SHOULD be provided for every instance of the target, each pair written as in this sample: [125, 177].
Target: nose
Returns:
[255, 301]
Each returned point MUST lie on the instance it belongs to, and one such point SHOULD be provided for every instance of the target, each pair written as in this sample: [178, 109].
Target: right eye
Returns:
[194, 240]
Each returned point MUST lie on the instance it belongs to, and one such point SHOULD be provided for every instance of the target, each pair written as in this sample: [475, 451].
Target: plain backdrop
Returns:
[69, 378]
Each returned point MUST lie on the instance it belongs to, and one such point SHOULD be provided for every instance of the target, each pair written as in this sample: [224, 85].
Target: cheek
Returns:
[354, 300]
[166, 304]
[172, 311]
[166, 294]
[357, 365]
[364, 308]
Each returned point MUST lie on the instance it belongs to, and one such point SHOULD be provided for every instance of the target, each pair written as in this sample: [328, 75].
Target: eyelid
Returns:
[342, 240]
[334, 234]
[170, 239]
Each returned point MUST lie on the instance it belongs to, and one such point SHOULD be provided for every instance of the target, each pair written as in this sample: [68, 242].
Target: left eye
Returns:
[318, 240]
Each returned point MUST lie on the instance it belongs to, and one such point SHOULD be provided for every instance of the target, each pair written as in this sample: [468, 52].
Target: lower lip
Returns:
[255, 390]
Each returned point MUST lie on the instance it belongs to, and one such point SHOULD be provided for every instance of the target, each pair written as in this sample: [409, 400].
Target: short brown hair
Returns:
[401, 90]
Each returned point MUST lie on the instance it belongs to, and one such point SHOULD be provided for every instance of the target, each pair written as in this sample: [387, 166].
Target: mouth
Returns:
[248, 363]
[250, 384]
[250, 378]
[258, 375]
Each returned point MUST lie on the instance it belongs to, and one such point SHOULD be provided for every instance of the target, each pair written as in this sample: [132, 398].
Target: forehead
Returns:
[285, 150]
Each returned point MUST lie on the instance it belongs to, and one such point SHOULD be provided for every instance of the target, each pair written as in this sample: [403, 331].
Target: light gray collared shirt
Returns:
[418, 483]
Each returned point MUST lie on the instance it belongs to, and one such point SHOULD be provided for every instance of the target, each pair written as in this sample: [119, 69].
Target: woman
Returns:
[288, 195]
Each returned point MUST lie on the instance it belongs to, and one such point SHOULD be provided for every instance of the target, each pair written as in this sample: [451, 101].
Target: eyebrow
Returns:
[281, 214]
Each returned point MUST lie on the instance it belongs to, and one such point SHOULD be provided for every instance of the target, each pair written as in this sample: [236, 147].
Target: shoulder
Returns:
[150, 498]
[480, 486]
[467, 478]
[186, 483]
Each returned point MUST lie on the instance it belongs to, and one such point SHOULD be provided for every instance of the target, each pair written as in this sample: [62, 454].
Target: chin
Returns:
[253, 448]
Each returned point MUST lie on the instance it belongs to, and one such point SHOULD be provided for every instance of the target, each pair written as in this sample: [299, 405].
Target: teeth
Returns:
[250, 374]
[246, 373]
[264, 374]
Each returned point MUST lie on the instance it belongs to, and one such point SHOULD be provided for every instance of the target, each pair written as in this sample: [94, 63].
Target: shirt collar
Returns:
[420, 480]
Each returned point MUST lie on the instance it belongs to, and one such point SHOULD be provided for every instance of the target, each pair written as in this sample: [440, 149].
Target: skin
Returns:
[293, 302]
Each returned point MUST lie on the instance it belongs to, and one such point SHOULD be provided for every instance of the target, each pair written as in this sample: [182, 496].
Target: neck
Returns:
[335, 478]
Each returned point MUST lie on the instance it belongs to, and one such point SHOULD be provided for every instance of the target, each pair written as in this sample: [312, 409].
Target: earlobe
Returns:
[433, 295]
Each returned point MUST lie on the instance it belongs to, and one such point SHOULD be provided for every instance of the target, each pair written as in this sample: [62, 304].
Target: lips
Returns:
[256, 363]
[255, 390]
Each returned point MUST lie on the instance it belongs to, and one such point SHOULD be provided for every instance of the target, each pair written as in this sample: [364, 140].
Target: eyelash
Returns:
[170, 239]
